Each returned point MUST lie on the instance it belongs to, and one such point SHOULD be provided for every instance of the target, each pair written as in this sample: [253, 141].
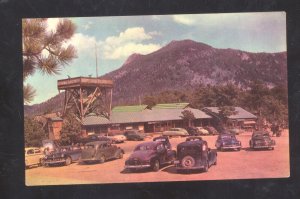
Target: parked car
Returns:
[91, 138]
[235, 131]
[150, 155]
[175, 132]
[105, 138]
[202, 130]
[134, 135]
[33, 156]
[211, 130]
[117, 138]
[63, 155]
[261, 139]
[194, 154]
[193, 131]
[228, 141]
[100, 151]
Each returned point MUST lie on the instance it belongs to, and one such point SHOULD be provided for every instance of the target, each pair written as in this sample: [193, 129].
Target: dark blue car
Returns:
[63, 155]
[228, 141]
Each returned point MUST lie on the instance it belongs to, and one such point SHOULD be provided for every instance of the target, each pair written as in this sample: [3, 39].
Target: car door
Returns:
[32, 157]
[162, 153]
[75, 153]
[29, 157]
[37, 156]
[110, 151]
[104, 150]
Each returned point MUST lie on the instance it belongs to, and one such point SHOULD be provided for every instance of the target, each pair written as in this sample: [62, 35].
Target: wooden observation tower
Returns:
[84, 95]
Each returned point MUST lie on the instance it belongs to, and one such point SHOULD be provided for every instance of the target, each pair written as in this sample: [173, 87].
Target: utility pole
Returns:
[96, 60]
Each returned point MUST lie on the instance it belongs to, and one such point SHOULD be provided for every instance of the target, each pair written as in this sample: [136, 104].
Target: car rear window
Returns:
[143, 148]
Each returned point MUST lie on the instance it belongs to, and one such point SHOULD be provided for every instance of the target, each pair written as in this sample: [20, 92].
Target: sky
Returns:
[116, 38]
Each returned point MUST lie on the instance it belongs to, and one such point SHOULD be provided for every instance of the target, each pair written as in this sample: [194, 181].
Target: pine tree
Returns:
[45, 50]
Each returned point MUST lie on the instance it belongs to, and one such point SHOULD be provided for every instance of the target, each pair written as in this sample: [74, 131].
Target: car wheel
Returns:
[272, 148]
[156, 165]
[215, 163]
[120, 155]
[68, 161]
[102, 159]
[42, 162]
[188, 161]
[206, 166]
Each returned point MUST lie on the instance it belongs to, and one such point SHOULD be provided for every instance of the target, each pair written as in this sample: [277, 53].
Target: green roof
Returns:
[171, 106]
[136, 108]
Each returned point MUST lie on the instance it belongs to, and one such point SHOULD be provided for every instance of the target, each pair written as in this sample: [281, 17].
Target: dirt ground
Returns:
[244, 164]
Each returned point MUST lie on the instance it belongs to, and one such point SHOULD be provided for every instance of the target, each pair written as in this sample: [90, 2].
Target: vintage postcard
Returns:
[155, 98]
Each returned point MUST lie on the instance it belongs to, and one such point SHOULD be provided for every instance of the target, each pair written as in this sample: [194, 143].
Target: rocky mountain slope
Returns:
[184, 65]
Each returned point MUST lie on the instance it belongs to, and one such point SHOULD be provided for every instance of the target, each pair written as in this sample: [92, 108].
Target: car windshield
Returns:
[144, 148]
[262, 136]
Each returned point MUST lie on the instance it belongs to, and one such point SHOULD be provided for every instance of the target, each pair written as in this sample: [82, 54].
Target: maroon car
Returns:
[150, 155]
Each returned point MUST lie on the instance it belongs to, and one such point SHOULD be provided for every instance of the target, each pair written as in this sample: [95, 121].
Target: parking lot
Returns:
[244, 164]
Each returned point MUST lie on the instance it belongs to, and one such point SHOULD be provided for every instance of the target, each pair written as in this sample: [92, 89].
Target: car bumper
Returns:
[137, 166]
[54, 161]
[263, 146]
[180, 167]
[231, 147]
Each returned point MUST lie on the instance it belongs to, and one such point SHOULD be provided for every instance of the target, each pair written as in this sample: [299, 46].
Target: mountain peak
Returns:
[186, 43]
[132, 57]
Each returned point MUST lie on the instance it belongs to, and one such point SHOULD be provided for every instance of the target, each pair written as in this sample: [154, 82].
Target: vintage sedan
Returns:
[63, 155]
[100, 151]
[202, 130]
[91, 138]
[261, 139]
[175, 132]
[193, 131]
[33, 156]
[150, 155]
[235, 131]
[228, 141]
[211, 130]
[118, 138]
[194, 154]
[134, 135]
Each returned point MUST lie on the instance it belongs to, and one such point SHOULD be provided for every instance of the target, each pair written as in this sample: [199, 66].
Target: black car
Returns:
[91, 138]
[100, 151]
[193, 131]
[150, 155]
[134, 135]
[228, 141]
[194, 154]
[63, 155]
[261, 139]
[211, 130]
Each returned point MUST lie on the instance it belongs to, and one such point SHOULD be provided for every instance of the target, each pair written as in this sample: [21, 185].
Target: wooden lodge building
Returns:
[159, 118]
[242, 118]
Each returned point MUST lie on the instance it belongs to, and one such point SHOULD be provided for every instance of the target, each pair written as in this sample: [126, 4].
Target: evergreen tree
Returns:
[45, 50]
[70, 130]
[34, 133]
[188, 116]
